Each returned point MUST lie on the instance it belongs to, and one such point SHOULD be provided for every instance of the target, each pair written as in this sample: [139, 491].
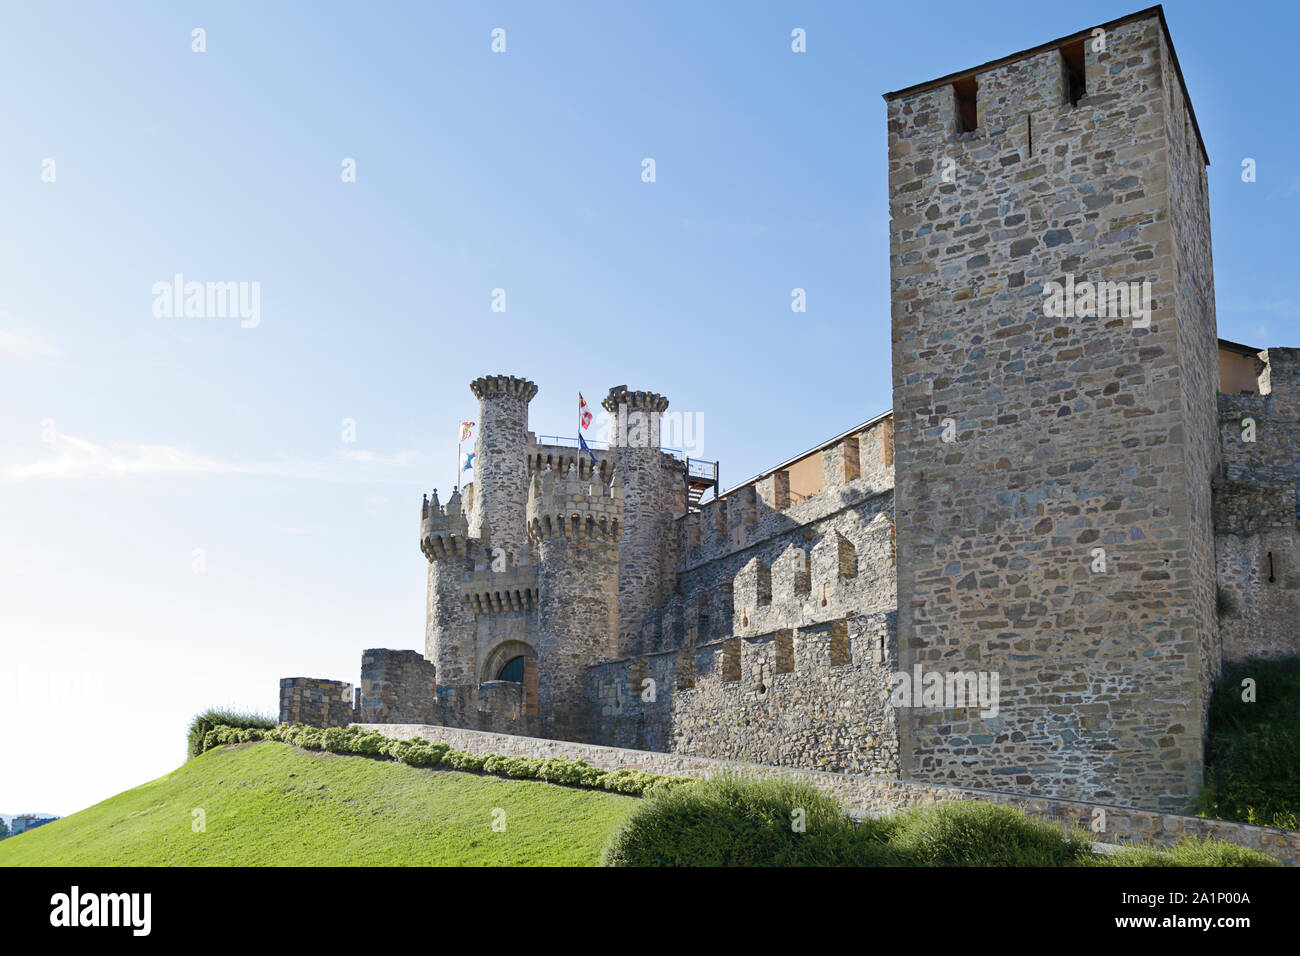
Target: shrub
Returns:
[1252, 756]
[732, 821]
[729, 821]
[213, 718]
[962, 833]
[1189, 853]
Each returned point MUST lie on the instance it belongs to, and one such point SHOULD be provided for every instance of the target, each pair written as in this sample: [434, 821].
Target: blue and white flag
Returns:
[583, 443]
[466, 460]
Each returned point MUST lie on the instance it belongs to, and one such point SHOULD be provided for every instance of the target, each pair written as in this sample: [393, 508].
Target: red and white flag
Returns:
[584, 411]
[465, 429]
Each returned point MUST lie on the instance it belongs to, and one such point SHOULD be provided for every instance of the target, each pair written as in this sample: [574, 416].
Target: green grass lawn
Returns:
[270, 804]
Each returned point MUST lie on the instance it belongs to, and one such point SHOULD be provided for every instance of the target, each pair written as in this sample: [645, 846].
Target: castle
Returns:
[1080, 491]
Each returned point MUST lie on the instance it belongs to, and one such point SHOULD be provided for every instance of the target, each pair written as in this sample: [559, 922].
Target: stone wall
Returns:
[397, 687]
[814, 696]
[317, 702]
[1068, 434]
[1198, 348]
[575, 527]
[861, 795]
[1256, 505]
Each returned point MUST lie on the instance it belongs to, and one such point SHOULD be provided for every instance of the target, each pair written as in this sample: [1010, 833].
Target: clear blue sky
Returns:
[127, 441]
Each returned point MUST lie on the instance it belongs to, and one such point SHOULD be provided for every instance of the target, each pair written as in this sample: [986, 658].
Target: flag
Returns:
[466, 460]
[465, 428]
[583, 442]
[584, 411]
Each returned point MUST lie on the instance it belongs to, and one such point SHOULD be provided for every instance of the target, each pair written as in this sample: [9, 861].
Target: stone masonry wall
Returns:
[397, 687]
[779, 640]
[1070, 433]
[575, 529]
[1256, 504]
[815, 696]
[1198, 347]
[754, 563]
[317, 702]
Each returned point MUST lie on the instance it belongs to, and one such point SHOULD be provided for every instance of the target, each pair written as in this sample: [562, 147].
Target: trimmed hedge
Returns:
[426, 753]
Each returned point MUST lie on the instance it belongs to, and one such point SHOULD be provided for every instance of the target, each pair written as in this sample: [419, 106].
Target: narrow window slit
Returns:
[1076, 76]
[967, 114]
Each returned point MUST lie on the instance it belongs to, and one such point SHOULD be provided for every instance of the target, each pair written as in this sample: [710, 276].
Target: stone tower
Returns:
[654, 489]
[575, 525]
[1053, 465]
[449, 620]
[501, 461]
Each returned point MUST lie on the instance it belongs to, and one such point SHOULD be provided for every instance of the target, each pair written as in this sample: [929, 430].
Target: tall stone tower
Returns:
[654, 489]
[449, 620]
[1053, 465]
[501, 461]
[575, 526]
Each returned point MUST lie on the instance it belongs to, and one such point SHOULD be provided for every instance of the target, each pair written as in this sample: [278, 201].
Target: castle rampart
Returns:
[1256, 506]
[318, 702]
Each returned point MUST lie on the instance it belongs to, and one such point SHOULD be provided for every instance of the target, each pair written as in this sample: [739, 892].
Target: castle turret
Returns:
[501, 460]
[449, 621]
[654, 490]
[574, 525]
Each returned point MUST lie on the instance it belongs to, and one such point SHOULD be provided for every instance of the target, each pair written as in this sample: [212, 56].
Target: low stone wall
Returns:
[862, 795]
[317, 702]
[397, 687]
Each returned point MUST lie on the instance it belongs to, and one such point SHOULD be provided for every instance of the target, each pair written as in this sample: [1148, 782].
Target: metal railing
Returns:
[563, 441]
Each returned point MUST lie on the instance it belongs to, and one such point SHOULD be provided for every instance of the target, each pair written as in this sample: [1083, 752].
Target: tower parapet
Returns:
[575, 526]
[574, 507]
[444, 532]
[501, 460]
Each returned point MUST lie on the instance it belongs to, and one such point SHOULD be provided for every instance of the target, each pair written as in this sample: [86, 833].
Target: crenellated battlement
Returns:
[497, 386]
[635, 401]
[573, 508]
[444, 530]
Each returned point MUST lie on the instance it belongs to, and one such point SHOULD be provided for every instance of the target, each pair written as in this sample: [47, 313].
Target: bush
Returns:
[1252, 756]
[962, 833]
[1189, 853]
[732, 821]
[212, 718]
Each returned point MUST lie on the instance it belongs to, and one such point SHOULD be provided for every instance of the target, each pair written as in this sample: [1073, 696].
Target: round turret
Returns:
[501, 460]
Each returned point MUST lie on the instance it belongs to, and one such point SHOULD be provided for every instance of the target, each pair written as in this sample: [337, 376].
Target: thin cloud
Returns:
[23, 348]
[79, 459]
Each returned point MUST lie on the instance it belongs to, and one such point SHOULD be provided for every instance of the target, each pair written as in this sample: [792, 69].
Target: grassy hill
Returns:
[268, 803]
